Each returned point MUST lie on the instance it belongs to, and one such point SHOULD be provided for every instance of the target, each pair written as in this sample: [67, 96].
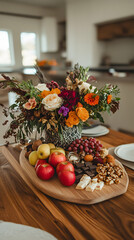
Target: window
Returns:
[28, 46]
[5, 48]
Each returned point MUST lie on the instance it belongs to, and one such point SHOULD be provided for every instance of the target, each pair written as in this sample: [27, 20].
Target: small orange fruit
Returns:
[109, 159]
[88, 158]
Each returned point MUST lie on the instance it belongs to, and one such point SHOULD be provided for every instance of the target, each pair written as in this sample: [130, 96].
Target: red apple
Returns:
[67, 178]
[55, 158]
[45, 171]
[40, 161]
[67, 166]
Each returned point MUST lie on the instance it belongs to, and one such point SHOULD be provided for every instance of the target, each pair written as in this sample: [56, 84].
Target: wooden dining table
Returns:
[21, 202]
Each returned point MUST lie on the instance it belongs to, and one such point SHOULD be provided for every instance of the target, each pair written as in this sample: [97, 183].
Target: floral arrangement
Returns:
[50, 107]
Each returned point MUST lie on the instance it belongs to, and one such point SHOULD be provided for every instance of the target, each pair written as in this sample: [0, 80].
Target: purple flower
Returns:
[64, 111]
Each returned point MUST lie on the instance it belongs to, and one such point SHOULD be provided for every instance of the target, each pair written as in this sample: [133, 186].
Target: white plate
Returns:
[124, 162]
[14, 231]
[96, 131]
[125, 151]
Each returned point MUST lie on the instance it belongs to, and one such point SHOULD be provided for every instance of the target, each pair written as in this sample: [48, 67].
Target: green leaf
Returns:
[100, 117]
[12, 116]
[13, 106]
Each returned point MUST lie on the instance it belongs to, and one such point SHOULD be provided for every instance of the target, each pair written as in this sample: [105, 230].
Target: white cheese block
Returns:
[100, 185]
[84, 181]
[95, 180]
[91, 186]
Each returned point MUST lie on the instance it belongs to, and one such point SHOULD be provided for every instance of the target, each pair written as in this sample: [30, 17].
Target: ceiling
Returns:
[44, 3]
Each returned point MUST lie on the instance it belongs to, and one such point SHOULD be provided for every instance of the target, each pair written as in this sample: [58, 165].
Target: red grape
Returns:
[75, 149]
[81, 147]
[89, 145]
[86, 149]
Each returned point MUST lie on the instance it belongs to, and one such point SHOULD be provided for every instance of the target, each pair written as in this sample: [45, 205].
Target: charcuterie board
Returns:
[56, 190]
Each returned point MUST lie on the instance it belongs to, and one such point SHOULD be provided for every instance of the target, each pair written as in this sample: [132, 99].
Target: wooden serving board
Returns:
[55, 189]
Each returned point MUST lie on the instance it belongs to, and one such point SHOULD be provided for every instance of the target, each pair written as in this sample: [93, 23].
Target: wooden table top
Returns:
[21, 202]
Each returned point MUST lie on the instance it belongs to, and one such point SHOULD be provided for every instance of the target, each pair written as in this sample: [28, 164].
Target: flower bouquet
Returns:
[59, 111]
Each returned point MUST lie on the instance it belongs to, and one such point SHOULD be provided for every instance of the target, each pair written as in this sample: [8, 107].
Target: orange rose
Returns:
[91, 99]
[72, 119]
[44, 93]
[82, 113]
[53, 91]
[68, 123]
[109, 98]
[56, 90]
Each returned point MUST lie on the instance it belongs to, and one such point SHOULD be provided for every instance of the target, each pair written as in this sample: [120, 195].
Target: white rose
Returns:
[42, 87]
[86, 86]
[52, 102]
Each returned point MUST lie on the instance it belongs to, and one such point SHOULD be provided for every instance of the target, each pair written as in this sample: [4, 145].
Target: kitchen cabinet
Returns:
[120, 29]
[49, 35]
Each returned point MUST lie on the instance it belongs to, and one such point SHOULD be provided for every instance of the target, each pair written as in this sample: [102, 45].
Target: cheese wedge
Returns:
[84, 181]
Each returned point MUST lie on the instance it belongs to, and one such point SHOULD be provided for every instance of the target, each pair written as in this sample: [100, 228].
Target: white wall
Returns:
[82, 44]
[121, 50]
[124, 117]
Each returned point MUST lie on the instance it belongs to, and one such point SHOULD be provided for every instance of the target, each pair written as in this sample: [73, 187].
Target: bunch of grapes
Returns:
[52, 84]
[90, 146]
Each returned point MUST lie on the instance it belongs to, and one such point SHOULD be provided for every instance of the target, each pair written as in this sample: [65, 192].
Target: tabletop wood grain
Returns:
[21, 202]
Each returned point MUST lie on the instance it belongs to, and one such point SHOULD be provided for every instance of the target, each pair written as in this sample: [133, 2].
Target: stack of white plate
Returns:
[125, 152]
[95, 131]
